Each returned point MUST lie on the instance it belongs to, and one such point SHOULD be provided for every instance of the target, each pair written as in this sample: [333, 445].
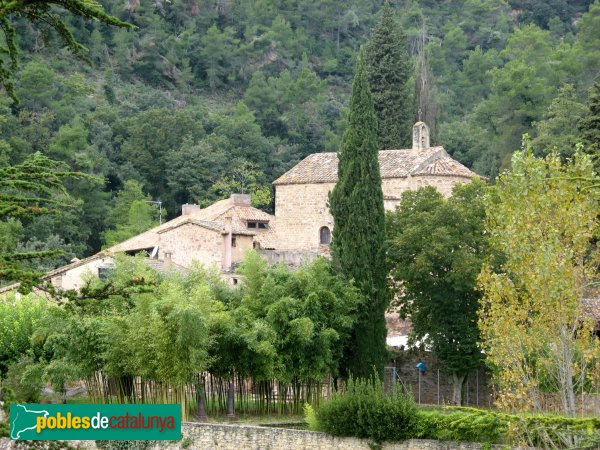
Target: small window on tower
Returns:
[252, 224]
[324, 236]
[262, 225]
[233, 242]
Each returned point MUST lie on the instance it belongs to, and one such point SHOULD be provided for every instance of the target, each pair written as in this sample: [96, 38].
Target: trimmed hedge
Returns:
[364, 411]
[459, 426]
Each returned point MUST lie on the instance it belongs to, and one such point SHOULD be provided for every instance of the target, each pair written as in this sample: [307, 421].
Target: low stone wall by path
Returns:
[245, 437]
[198, 436]
[238, 437]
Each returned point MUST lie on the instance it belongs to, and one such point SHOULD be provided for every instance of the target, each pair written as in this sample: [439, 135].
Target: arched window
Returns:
[324, 236]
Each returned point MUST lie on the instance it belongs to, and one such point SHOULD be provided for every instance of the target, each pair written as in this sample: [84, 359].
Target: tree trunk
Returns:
[230, 395]
[565, 366]
[457, 384]
[201, 404]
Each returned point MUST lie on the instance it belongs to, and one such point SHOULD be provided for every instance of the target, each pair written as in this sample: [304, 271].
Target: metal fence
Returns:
[435, 387]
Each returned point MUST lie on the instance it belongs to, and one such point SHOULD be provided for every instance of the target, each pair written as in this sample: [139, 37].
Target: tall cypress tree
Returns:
[389, 68]
[356, 203]
[589, 125]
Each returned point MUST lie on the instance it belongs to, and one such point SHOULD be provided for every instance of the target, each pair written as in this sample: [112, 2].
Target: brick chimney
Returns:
[241, 199]
[188, 209]
[168, 258]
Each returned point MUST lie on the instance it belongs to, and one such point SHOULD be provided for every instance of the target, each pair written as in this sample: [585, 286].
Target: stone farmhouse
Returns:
[216, 236]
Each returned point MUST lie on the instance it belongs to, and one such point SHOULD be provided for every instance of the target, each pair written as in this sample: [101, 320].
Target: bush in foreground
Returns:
[363, 410]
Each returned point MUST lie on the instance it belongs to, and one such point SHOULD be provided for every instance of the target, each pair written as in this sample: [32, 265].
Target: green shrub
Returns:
[310, 417]
[460, 426]
[4, 429]
[18, 321]
[23, 381]
[474, 425]
[555, 432]
[364, 411]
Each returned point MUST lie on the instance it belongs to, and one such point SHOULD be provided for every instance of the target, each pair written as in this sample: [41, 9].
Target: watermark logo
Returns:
[95, 422]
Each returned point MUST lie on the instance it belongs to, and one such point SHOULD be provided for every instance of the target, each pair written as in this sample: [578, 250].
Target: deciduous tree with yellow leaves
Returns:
[543, 219]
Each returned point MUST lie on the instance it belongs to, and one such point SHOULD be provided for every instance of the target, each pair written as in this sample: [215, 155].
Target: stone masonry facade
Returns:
[302, 194]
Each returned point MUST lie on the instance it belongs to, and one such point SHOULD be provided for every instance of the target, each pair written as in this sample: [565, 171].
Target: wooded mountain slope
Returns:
[206, 95]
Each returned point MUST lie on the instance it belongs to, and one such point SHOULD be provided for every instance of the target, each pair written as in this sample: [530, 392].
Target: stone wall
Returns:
[244, 437]
[293, 258]
[237, 437]
[302, 209]
[394, 187]
[243, 243]
[188, 242]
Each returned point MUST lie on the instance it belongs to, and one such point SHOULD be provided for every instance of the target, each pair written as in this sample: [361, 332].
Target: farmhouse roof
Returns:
[214, 218]
[75, 264]
[322, 167]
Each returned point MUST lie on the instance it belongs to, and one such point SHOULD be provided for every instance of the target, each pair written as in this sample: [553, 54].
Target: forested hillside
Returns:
[206, 95]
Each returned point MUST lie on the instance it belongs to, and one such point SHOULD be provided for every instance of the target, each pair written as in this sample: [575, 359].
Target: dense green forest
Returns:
[202, 93]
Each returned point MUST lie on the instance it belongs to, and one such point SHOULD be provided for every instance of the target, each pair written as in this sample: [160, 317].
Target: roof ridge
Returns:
[394, 163]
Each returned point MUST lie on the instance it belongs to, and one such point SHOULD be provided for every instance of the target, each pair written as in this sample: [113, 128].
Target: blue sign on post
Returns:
[95, 422]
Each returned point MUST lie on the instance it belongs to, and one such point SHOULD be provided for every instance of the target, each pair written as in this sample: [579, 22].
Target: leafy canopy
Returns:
[436, 248]
[543, 220]
[43, 15]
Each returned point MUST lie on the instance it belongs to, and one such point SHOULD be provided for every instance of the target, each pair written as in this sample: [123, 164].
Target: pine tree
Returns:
[589, 126]
[388, 65]
[357, 206]
[27, 190]
[44, 15]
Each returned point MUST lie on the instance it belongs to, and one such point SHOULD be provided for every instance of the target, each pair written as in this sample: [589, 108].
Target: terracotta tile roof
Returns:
[158, 265]
[162, 266]
[213, 218]
[322, 167]
[10, 288]
[445, 166]
[267, 238]
[75, 264]
[59, 270]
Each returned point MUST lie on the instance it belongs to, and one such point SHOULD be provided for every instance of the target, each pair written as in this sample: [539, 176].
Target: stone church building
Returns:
[304, 222]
